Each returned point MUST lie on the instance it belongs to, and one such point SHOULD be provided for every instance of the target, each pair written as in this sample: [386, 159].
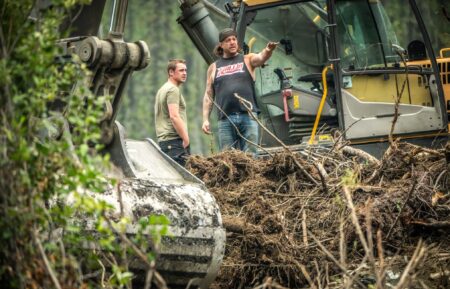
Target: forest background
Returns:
[155, 22]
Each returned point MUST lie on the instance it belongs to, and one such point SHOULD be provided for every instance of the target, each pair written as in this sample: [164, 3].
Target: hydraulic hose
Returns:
[322, 103]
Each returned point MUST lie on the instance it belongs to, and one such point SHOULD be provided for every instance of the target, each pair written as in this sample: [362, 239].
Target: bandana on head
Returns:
[226, 33]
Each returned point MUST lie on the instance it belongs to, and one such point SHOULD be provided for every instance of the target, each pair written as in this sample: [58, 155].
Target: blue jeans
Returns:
[175, 150]
[229, 138]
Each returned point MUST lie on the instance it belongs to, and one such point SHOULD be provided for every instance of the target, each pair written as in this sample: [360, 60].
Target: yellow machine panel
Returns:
[259, 2]
[381, 88]
[444, 70]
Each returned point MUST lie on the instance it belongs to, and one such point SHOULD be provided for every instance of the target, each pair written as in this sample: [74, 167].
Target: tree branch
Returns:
[249, 109]
[45, 259]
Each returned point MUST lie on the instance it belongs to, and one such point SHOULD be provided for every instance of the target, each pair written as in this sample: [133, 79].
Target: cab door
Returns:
[379, 87]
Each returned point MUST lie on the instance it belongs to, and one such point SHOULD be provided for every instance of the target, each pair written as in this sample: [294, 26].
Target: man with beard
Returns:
[233, 73]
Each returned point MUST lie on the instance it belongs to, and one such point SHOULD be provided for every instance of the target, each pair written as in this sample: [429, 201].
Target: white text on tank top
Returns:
[230, 69]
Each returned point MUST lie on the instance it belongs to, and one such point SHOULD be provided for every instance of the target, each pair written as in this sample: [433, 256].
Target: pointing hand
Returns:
[271, 45]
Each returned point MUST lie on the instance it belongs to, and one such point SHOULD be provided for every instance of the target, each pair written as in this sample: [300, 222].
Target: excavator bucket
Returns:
[151, 183]
[154, 184]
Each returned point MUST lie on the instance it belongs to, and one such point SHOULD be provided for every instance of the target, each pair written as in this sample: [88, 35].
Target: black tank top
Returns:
[232, 76]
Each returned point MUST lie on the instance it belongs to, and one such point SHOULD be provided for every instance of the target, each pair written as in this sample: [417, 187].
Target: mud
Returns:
[191, 251]
[289, 221]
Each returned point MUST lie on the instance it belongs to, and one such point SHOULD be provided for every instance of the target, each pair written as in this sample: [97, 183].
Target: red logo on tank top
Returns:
[230, 69]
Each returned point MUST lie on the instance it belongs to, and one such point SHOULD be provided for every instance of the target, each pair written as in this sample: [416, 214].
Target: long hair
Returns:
[218, 51]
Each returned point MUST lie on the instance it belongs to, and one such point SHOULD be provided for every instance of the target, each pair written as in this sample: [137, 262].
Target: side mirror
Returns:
[287, 43]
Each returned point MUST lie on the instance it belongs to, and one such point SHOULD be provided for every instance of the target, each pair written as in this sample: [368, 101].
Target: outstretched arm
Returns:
[259, 59]
[208, 99]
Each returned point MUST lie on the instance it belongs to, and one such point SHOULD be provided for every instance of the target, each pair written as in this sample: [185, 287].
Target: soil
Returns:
[334, 218]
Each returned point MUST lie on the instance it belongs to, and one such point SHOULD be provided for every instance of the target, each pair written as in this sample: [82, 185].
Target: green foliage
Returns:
[37, 167]
[48, 157]
[350, 178]
[155, 226]
[120, 277]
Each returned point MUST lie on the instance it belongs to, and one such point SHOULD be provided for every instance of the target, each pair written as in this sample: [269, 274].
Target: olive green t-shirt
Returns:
[169, 93]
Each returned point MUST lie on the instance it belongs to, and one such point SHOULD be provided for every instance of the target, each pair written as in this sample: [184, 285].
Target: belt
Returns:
[170, 141]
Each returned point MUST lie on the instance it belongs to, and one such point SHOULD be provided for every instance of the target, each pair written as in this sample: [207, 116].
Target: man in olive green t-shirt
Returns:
[170, 114]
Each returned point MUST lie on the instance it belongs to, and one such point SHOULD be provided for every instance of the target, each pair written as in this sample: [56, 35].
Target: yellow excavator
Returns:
[345, 65]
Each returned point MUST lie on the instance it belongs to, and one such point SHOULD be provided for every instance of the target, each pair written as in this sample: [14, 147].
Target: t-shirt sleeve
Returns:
[173, 96]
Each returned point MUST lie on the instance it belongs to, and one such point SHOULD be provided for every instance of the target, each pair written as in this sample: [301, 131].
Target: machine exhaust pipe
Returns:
[197, 23]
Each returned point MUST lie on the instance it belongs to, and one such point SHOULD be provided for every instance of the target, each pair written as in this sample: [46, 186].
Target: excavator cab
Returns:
[370, 82]
[369, 74]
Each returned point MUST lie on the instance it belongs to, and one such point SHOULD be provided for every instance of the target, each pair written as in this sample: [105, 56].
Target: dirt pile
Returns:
[332, 218]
